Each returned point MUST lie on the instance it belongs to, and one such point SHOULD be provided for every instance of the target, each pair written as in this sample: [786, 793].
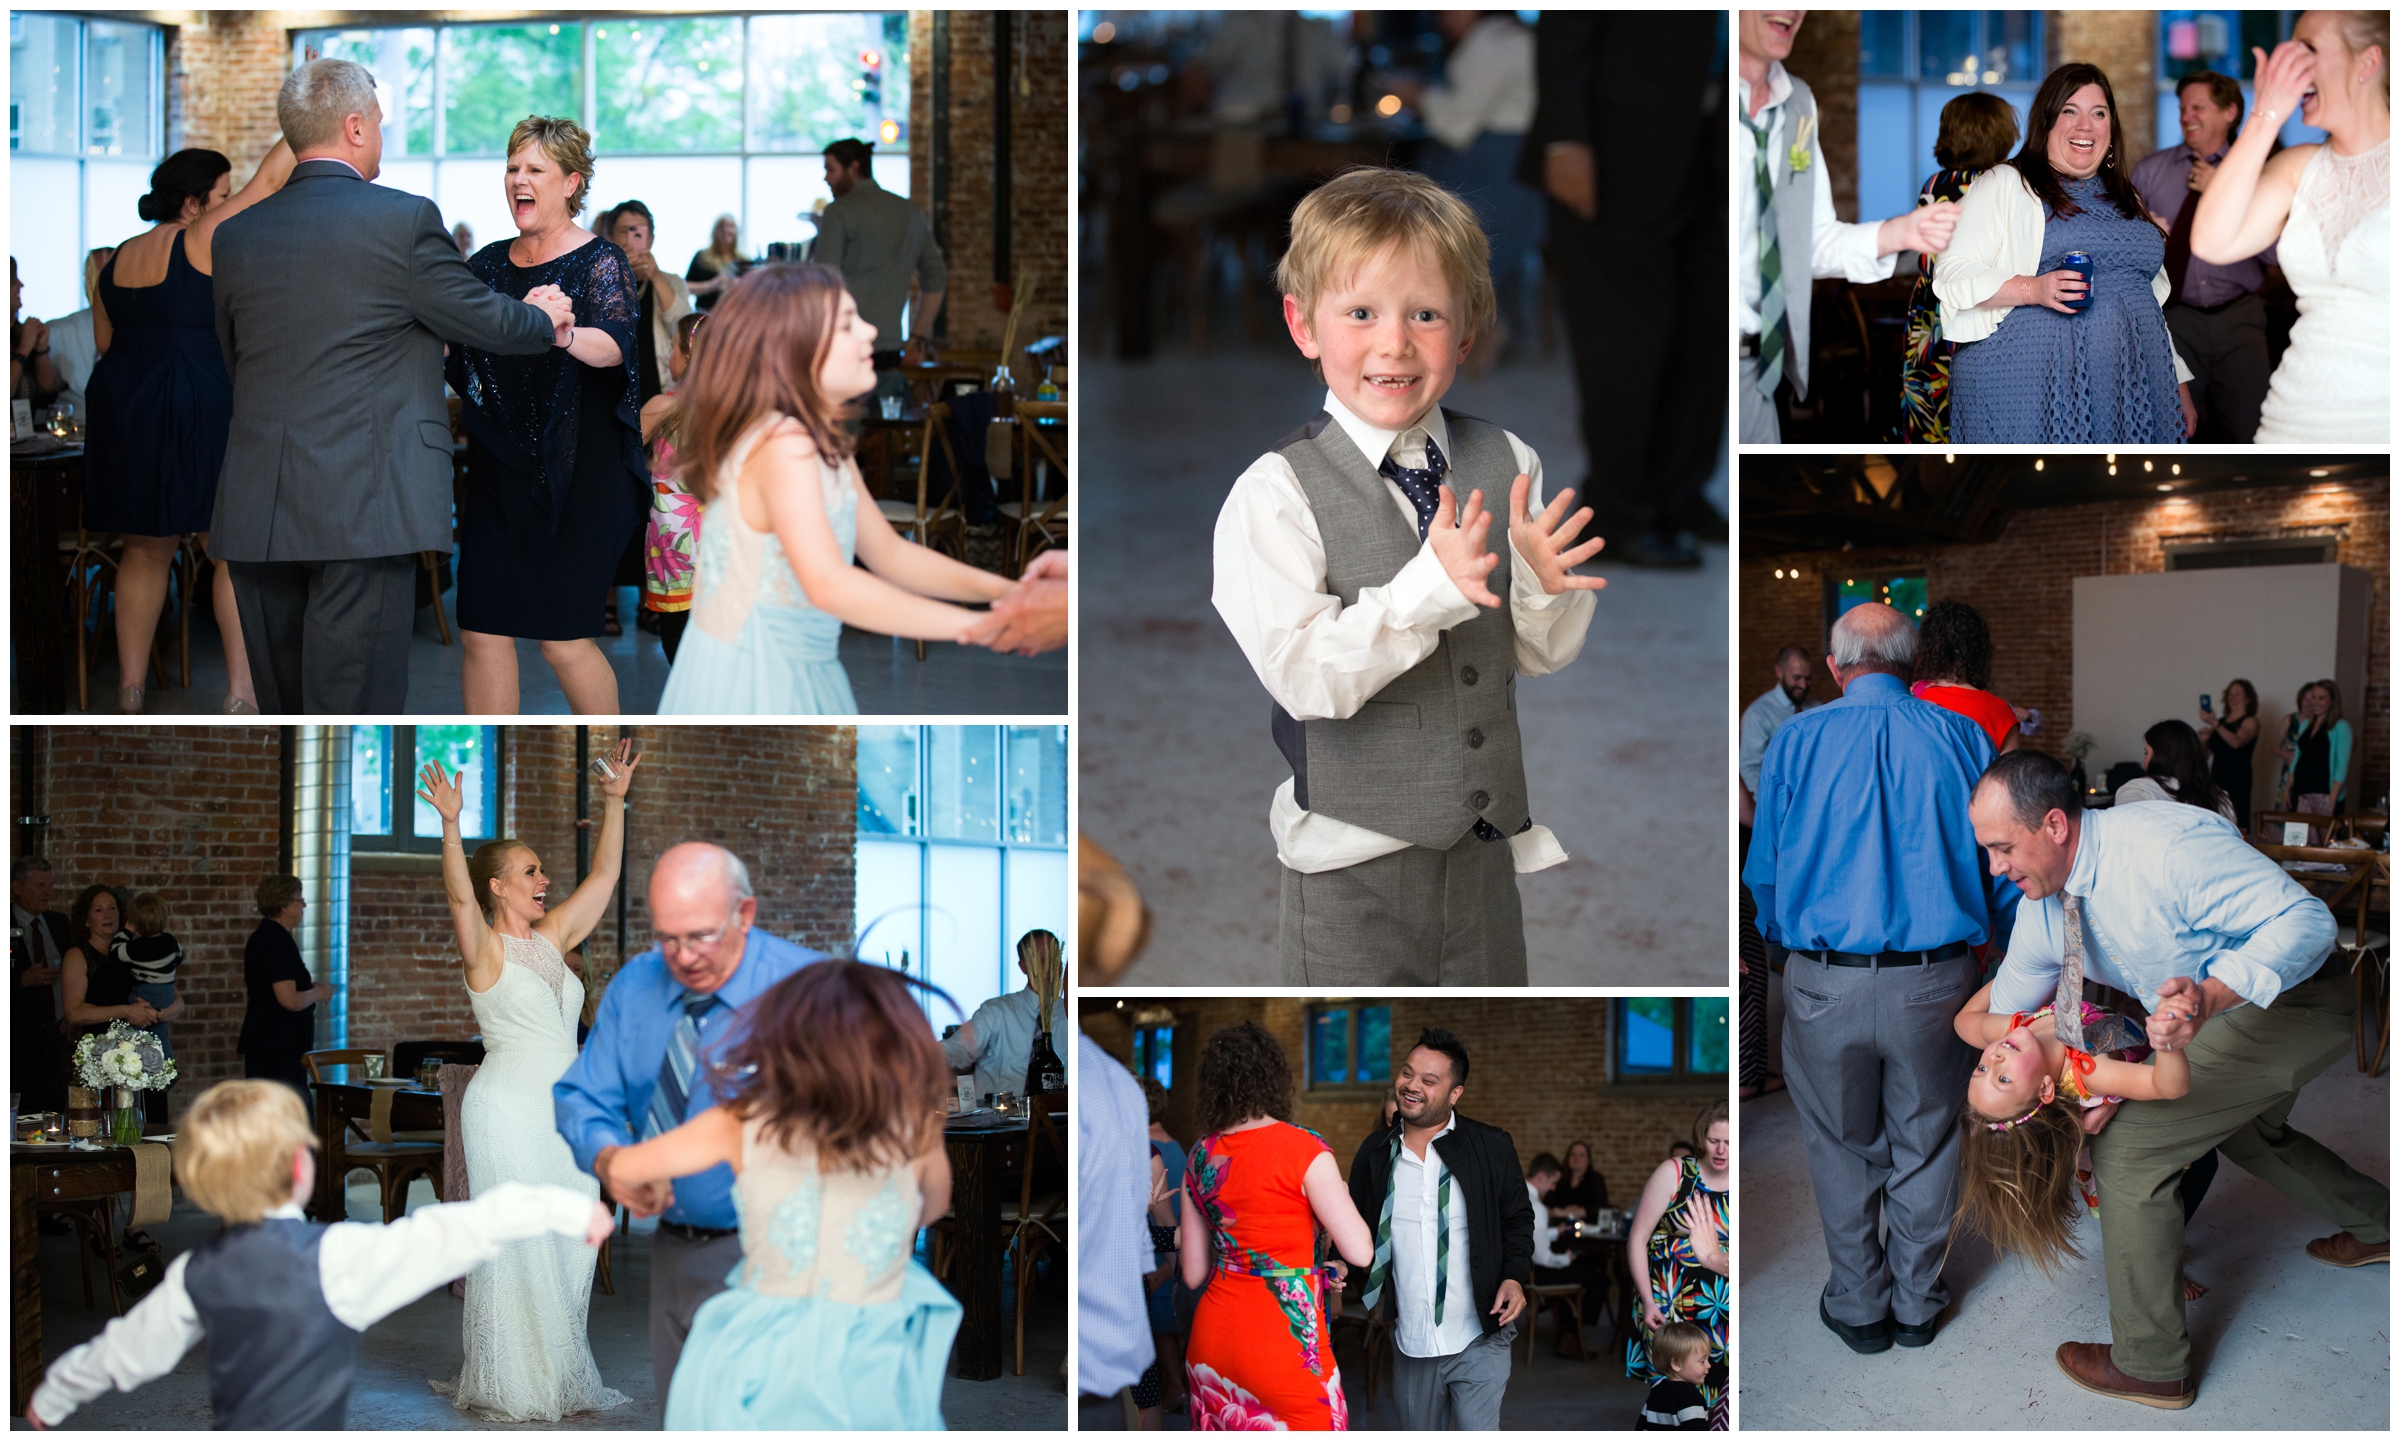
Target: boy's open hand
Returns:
[1542, 539]
[1459, 540]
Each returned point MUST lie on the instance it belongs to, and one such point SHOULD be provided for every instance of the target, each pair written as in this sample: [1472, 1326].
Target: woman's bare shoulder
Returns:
[2288, 162]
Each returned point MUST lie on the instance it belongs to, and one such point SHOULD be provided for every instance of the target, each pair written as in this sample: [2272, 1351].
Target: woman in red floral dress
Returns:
[1260, 1356]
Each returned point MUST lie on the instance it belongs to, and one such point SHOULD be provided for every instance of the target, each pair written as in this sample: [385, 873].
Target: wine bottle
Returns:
[1044, 1075]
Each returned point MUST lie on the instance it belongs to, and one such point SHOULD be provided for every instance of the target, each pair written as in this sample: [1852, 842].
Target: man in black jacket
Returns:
[1453, 1243]
[37, 942]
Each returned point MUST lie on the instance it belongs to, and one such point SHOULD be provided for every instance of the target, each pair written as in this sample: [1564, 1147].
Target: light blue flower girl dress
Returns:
[755, 646]
[829, 1323]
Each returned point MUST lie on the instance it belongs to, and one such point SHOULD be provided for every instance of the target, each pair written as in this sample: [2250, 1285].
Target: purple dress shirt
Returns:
[2164, 179]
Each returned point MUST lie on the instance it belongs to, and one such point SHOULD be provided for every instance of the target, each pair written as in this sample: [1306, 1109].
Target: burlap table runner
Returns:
[153, 1183]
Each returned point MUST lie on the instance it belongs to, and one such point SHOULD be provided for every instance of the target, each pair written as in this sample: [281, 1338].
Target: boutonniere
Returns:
[1802, 133]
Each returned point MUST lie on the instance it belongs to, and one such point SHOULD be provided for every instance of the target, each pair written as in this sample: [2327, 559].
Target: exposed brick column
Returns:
[1825, 54]
[2124, 44]
[223, 71]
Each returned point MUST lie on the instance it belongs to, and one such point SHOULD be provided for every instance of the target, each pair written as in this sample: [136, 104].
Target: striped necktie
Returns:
[2066, 1010]
[1382, 1268]
[1773, 330]
[674, 1090]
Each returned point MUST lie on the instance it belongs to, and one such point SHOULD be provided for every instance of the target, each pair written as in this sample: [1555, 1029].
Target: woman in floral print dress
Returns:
[1677, 1276]
[1260, 1355]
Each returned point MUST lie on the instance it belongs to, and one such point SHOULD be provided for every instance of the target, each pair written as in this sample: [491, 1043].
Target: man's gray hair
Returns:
[737, 875]
[1875, 635]
[318, 96]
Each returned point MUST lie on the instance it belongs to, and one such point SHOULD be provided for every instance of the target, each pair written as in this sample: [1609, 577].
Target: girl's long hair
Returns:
[2333, 708]
[2017, 1188]
[838, 1054]
[2176, 754]
[2032, 160]
[766, 339]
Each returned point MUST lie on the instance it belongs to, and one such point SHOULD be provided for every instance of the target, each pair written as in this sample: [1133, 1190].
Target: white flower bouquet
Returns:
[126, 1056]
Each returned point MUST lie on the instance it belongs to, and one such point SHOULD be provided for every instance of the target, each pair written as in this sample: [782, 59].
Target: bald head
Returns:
[701, 908]
[1872, 638]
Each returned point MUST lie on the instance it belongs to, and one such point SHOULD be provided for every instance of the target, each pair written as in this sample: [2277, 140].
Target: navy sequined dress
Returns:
[556, 479]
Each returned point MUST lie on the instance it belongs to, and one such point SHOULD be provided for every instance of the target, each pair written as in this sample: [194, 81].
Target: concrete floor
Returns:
[2280, 1342]
[885, 674]
[421, 1342]
[1625, 750]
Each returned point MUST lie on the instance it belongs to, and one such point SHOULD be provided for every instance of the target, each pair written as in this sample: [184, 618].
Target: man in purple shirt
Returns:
[2219, 323]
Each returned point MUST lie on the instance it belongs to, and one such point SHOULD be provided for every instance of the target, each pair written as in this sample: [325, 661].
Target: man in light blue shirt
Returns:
[1766, 715]
[1112, 1237]
[2177, 910]
[662, 1016]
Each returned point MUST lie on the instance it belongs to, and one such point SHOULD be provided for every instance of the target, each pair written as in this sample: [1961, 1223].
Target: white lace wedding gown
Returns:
[528, 1358]
[2335, 382]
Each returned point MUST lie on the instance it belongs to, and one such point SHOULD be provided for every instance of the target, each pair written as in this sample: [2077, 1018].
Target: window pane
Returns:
[1159, 1065]
[963, 781]
[112, 189]
[889, 888]
[402, 63]
[1946, 47]
[1646, 1036]
[495, 75]
[48, 261]
[1329, 1046]
[815, 79]
[967, 957]
[1709, 1031]
[668, 84]
[370, 780]
[1375, 1043]
[1037, 784]
[117, 77]
[887, 781]
[1039, 898]
[461, 749]
[2012, 46]
[1879, 44]
[41, 84]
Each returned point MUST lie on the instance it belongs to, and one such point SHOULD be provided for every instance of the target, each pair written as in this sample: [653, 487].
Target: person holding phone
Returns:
[2231, 734]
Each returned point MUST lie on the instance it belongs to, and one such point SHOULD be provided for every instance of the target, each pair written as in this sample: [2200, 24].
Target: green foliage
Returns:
[495, 75]
[668, 85]
[1710, 1035]
[808, 82]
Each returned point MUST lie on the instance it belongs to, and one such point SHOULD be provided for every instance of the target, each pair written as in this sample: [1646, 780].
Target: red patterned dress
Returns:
[1260, 1357]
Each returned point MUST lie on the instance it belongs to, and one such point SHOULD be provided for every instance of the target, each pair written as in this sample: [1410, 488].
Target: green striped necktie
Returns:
[1774, 334]
[1382, 1269]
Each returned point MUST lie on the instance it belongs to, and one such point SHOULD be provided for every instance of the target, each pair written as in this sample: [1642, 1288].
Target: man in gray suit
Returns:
[334, 299]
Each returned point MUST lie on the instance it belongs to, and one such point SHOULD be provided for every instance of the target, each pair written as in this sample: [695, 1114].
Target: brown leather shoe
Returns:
[2088, 1365]
[2343, 1249]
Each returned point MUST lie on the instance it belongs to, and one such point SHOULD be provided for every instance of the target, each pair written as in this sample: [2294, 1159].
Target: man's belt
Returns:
[1955, 951]
[1750, 347]
[695, 1233]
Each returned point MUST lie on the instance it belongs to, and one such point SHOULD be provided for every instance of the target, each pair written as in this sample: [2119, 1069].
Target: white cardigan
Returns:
[1999, 236]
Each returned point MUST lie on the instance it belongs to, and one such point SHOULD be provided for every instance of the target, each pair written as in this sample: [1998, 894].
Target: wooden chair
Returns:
[1538, 1298]
[1035, 525]
[929, 515]
[93, 1216]
[395, 1163]
[91, 561]
[1037, 1219]
[407, 1055]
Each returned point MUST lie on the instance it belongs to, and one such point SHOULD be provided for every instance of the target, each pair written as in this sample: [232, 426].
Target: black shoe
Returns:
[1920, 1334]
[1865, 1340]
[1652, 549]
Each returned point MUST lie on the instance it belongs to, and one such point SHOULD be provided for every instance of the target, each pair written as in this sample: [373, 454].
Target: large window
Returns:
[1666, 1038]
[386, 813]
[962, 849]
[86, 100]
[1349, 1047]
[2190, 41]
[695, 116]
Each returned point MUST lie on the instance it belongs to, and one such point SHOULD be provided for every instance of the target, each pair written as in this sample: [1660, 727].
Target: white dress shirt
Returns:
[74, 350]
[367, 1272]
[1837, 250]
[1004, 1027]
[1322, 660]
[1490, 86]
[1544, 1253]
[2169, 890]
[1415, 1191]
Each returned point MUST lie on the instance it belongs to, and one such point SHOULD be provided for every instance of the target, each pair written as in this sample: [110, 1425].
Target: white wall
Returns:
[2148, 646]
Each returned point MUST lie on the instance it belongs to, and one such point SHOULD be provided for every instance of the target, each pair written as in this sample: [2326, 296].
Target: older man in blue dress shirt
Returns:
[2174, 908]
[644, 1071]
[1864, 868]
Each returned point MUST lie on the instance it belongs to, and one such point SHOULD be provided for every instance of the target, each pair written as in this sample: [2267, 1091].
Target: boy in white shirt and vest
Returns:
[1385, 618]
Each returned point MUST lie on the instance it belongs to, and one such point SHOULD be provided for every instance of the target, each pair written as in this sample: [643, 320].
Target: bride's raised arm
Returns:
[567, 924]
[438, 788]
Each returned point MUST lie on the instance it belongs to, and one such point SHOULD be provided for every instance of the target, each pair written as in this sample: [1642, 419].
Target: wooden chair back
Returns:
[315, 1059]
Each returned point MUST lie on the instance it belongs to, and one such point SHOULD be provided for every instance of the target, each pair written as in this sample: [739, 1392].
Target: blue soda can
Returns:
[2080, 262]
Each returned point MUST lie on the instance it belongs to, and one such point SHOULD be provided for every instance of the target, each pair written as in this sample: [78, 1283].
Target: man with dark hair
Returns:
[38, 938]
[880, 242]
[1554, 1267]
[2171, 906]
[1453, 1243]
[1864, 868]
[2214, 311]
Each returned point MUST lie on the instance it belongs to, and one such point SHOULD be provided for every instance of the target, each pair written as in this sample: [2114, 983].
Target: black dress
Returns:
[556, 479]
[107, 981]
[704, 267]
[2229, 767]
[1591, 1194]
[273, 1039]
[161, 406]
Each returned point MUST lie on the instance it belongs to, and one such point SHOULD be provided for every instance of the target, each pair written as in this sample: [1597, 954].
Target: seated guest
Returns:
[2174, 768]
[32, 374]
[1581, 1193]
[72, 346]
[1551, 1266]
[279, 1025]
[282, 1302]
[996, 1043]
[1954, 670]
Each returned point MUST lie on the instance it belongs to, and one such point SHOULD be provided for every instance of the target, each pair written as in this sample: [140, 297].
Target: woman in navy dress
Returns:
[556, 478]
[2067, 362]
[160, 404]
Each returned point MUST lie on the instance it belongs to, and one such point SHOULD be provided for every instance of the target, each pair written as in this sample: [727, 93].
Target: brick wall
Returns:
[193, 813]
[1038, 174]
[2124, 44]
[223, 70]
[1825, 54]
[2023, 584]
[1538, 1070]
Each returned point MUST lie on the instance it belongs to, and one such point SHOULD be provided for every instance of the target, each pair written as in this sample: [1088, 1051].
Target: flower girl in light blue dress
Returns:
[833, 1127]
[764, 445]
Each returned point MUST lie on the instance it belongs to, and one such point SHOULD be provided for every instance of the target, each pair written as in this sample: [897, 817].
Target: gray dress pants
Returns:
[1455, 1393]
[683, 1273]
[1878, 1074]
[1759, 423]
[328, 637]
[1416, 917]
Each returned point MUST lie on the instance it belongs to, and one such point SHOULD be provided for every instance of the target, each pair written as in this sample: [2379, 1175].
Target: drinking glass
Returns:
[375, 1068]
[891, 407]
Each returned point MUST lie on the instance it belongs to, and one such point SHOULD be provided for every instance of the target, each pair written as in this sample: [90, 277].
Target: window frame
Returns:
[1152, 1040]
[398, 842]
[157, 71]
[1682, 1074]
[1337, 1090]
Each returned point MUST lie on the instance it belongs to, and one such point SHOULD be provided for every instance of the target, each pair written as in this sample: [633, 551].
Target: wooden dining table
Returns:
[983, 1166]
[37, 621]
[343, 1094]
[39, 1172]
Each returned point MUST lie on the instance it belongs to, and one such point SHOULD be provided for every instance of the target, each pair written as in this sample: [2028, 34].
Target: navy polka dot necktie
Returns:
[1422, 487]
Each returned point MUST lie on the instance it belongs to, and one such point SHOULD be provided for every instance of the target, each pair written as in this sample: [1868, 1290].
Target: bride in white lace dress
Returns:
[2328, 210]
[527, 1354]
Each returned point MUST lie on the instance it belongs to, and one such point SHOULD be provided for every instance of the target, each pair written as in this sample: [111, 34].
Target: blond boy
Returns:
[1679, 1354]
[282, 1301]
[1388, 620]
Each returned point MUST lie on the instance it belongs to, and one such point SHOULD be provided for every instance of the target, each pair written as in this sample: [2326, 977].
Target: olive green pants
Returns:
[2248, 1065]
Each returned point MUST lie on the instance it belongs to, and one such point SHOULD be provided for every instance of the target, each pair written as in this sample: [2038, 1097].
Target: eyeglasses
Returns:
[697, 941]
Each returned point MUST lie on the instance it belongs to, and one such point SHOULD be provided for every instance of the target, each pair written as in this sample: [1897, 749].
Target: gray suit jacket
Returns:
[334, 298]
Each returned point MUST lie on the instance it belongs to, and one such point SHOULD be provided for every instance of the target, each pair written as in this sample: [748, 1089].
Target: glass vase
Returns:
[125, 1115]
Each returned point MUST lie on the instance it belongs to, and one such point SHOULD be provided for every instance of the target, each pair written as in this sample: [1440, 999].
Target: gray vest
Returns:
[1795, 226]
[1436, 750]
[278, 1358]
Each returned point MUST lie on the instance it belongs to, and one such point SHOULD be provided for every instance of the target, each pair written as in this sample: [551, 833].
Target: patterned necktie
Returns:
[1422, 487]
[674, 1089]
[1382, 1269]
[1774, 335]
[2179, 245]
[2066, 1013]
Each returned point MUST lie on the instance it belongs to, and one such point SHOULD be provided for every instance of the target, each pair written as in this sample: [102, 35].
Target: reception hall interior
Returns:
[713, 126]
[935, 851]
[2133, 601]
